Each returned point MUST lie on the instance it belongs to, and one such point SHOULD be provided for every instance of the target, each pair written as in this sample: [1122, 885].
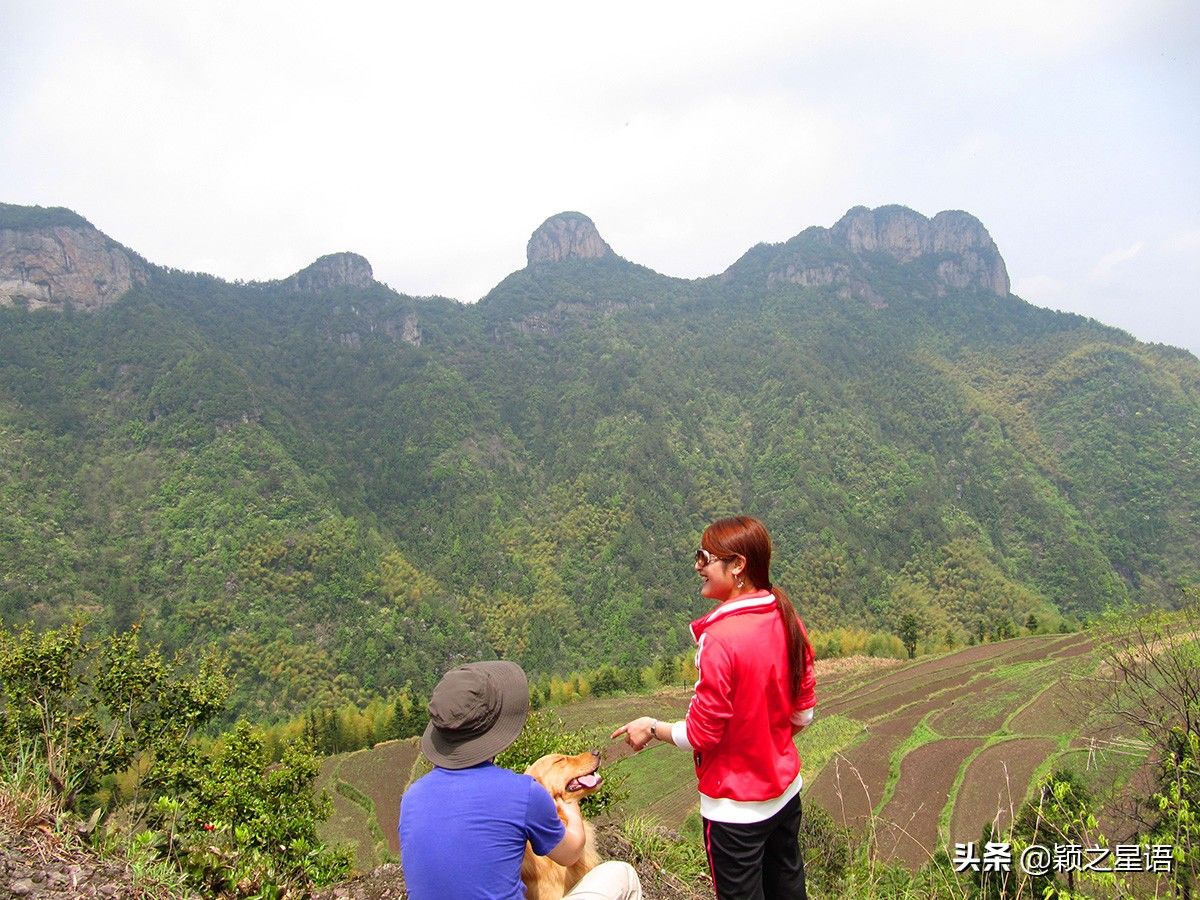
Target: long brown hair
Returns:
[747, 537]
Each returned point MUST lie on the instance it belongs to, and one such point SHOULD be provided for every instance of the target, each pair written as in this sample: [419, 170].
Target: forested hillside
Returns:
[349, 489]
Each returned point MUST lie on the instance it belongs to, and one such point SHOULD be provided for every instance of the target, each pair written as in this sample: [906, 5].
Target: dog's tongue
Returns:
[588, 781]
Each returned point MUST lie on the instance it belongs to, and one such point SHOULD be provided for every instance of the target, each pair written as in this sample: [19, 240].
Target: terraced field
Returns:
[919, 754]
[954, 743]
[365, 787]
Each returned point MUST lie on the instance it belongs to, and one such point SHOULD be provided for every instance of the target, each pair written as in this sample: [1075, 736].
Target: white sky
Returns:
[245, 139]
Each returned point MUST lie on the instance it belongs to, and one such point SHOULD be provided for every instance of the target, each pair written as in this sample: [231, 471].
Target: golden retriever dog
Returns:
[568, 779]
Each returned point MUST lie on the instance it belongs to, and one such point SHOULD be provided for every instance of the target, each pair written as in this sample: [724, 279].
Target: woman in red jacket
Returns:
[756, 690]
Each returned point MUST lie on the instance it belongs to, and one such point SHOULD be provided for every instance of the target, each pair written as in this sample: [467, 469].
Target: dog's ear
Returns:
[542, 771]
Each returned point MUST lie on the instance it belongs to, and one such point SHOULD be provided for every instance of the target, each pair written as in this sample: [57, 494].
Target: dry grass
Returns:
[841, 666]
[28, 808]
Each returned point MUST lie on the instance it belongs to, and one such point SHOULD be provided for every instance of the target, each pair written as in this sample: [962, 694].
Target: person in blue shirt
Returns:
[463, 827]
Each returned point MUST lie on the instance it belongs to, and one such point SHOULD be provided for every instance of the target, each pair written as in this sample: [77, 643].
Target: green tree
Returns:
[1061, 811]
[229, 817]
[1150, 682]
[666, 671]
[93, 706]
[606, 680]
[909, 629]
[911, 605]
[1177, 802]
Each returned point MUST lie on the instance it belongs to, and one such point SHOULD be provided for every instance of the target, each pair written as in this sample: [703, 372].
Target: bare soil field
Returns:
[965, 697]
[908, 825]
[1041, 648]
[920, 680]
[1079, 645]
[969, 657]
[1053, 712]
[995, 784]
[382, 774]
[951, 683]
[852, 783]
[992, 699]
[981, 715]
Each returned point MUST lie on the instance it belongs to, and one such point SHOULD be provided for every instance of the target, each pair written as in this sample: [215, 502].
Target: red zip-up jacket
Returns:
[739, 721]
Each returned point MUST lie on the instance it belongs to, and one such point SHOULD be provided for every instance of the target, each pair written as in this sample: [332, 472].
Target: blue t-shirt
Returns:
[463, 832]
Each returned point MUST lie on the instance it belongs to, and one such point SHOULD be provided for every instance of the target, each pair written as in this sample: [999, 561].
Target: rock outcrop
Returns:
[972, 259]
[333, 271]
[951, 251]
[55, 265]
[568, 235]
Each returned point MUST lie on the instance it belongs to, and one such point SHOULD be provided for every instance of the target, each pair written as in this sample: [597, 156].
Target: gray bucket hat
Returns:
[475, 712]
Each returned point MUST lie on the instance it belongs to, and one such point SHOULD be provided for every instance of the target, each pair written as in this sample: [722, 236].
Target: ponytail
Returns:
[797, 643]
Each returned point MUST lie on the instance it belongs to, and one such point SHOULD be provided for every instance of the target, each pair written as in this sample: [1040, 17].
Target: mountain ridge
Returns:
[91, 270]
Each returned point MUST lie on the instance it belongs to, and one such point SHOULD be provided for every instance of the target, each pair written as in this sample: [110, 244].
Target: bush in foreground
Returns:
[104, 732]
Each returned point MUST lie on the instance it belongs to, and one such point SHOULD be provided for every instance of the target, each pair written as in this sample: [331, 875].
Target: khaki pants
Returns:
[608, 881]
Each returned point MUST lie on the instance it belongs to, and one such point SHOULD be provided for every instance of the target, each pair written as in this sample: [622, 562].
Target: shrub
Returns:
[545, 733]
[76, 712]
[240, 819]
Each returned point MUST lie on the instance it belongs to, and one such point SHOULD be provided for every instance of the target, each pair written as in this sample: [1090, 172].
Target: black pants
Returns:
[758, 861]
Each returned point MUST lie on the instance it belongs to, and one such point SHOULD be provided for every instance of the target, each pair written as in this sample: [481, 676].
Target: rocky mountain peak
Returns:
[906, 235]
[568, 235]
[50, 258]
[333, 271]
[951, 251]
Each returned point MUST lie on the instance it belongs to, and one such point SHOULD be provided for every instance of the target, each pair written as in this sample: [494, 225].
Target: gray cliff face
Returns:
[959, 253]
[333, 271]
[54, 266]
[973, 259]
[568, 235]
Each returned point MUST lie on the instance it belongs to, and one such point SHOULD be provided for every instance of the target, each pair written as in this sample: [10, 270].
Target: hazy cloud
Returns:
[1110, 261]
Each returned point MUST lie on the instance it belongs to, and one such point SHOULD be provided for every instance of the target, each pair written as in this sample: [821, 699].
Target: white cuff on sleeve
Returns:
[679, 734]
[802, 718]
